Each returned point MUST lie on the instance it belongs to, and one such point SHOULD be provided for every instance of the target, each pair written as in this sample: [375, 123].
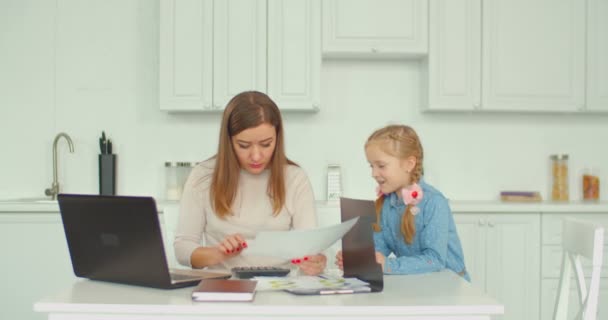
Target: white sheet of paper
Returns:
[297, 243]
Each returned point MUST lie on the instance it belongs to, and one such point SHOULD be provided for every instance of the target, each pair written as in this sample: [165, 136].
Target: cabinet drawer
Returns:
[552, 225]
[552, 262]
[549, 294]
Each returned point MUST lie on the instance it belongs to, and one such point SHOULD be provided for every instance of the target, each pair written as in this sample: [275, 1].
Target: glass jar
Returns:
[559, 173]
[176, 174]
[591, 184]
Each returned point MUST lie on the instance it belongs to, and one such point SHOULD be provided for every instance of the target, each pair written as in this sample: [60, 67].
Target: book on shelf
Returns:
[520, 196]
[224, 290]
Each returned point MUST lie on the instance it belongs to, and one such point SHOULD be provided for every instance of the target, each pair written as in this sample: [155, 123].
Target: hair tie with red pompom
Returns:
[412, 195]
[379, 192]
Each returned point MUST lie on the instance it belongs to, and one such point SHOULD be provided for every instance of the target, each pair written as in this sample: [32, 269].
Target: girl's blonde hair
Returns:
[399, 141]
[247, 110]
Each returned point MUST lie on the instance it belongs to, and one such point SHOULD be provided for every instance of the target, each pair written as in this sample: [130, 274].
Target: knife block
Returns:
[107, 174]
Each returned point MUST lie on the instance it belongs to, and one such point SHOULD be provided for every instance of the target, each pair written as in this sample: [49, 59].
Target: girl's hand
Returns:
[339, 261]
[232, 245]
[380, 259]
[311, 265]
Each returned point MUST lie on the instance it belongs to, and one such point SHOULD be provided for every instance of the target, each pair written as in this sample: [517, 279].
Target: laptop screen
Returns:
[114, 238]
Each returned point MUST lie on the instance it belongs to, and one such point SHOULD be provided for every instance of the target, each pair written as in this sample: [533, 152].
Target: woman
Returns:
[248, 186]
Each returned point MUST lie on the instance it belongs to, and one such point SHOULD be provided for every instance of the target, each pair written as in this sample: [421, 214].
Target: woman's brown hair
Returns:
[401, 142]
[247, 110]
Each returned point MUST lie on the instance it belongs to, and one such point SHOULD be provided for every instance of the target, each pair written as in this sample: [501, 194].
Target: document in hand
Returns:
[224, 290]
[297, 243]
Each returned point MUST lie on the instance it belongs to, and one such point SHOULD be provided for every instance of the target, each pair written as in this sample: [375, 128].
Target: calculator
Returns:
[250, 272]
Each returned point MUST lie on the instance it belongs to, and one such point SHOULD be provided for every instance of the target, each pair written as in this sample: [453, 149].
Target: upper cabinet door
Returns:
[294, 53]
[375, 27]
[239, 48]
[597, 55]
[186, 55]
[454, 62]
[533, 55]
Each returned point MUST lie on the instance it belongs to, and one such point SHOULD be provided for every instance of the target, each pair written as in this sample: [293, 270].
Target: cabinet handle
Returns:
[491, 225]
[374, 50]
[482, 223]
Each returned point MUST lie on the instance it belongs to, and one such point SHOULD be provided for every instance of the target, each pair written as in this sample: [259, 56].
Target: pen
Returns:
[109, 147]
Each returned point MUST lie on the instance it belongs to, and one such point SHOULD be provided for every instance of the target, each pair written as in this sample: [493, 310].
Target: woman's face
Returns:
[390, 172]
[254, 147]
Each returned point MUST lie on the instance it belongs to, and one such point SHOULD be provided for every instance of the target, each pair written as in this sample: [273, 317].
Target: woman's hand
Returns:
[232, 245]
[311, 265]
[380, 259]
[339, 261]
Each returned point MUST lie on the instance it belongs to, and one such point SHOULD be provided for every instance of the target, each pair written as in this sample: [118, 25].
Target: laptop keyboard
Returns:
[180, 277]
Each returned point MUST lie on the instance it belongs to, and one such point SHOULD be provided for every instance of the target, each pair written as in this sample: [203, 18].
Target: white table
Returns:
[441, 295]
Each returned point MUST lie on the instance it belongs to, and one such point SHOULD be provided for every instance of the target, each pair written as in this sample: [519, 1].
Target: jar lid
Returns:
[559, 157]
[169, 164]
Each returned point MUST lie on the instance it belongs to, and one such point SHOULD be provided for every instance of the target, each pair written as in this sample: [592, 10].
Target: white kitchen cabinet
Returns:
[239, 48]
[454, 60]
[210, 50]
[383, 28]
[294, 53]
[552, 258]
[533, 55]
[186, 55]
[507, 55]
[35, 261]
[549, 294]
[502, 254]
[597, 55]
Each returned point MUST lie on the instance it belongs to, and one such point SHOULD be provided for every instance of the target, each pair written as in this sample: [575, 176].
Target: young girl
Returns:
[414, 221]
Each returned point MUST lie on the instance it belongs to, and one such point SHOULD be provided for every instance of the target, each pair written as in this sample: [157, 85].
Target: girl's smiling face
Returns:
[390, 172]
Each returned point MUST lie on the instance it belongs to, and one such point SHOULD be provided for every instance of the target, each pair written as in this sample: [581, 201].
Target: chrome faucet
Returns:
[54, 189]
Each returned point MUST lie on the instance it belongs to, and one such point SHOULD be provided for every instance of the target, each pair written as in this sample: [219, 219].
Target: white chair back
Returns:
[580, 239]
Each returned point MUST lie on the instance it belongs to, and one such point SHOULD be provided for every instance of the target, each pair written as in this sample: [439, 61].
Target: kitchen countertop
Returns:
[48, 206]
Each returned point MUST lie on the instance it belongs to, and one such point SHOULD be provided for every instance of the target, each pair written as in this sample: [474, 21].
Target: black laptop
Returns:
[358, 250]
[118, 239]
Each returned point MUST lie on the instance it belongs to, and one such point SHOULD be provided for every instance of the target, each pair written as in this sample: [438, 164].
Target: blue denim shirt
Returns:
[435, 246]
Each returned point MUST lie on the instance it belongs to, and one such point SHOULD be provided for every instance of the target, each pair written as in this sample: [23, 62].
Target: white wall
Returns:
[84, 66]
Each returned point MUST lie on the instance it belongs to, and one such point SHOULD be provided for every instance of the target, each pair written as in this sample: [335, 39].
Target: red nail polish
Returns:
[305, 258]
[238, 249]
[298, 261]
[227, 251]
[244, 244]
[414, 194]
[293, 261]
[231, 251]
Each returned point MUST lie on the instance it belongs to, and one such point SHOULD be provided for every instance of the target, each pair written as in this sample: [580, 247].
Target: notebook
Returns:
[118, 239]
[224, 290]
[358, 249]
